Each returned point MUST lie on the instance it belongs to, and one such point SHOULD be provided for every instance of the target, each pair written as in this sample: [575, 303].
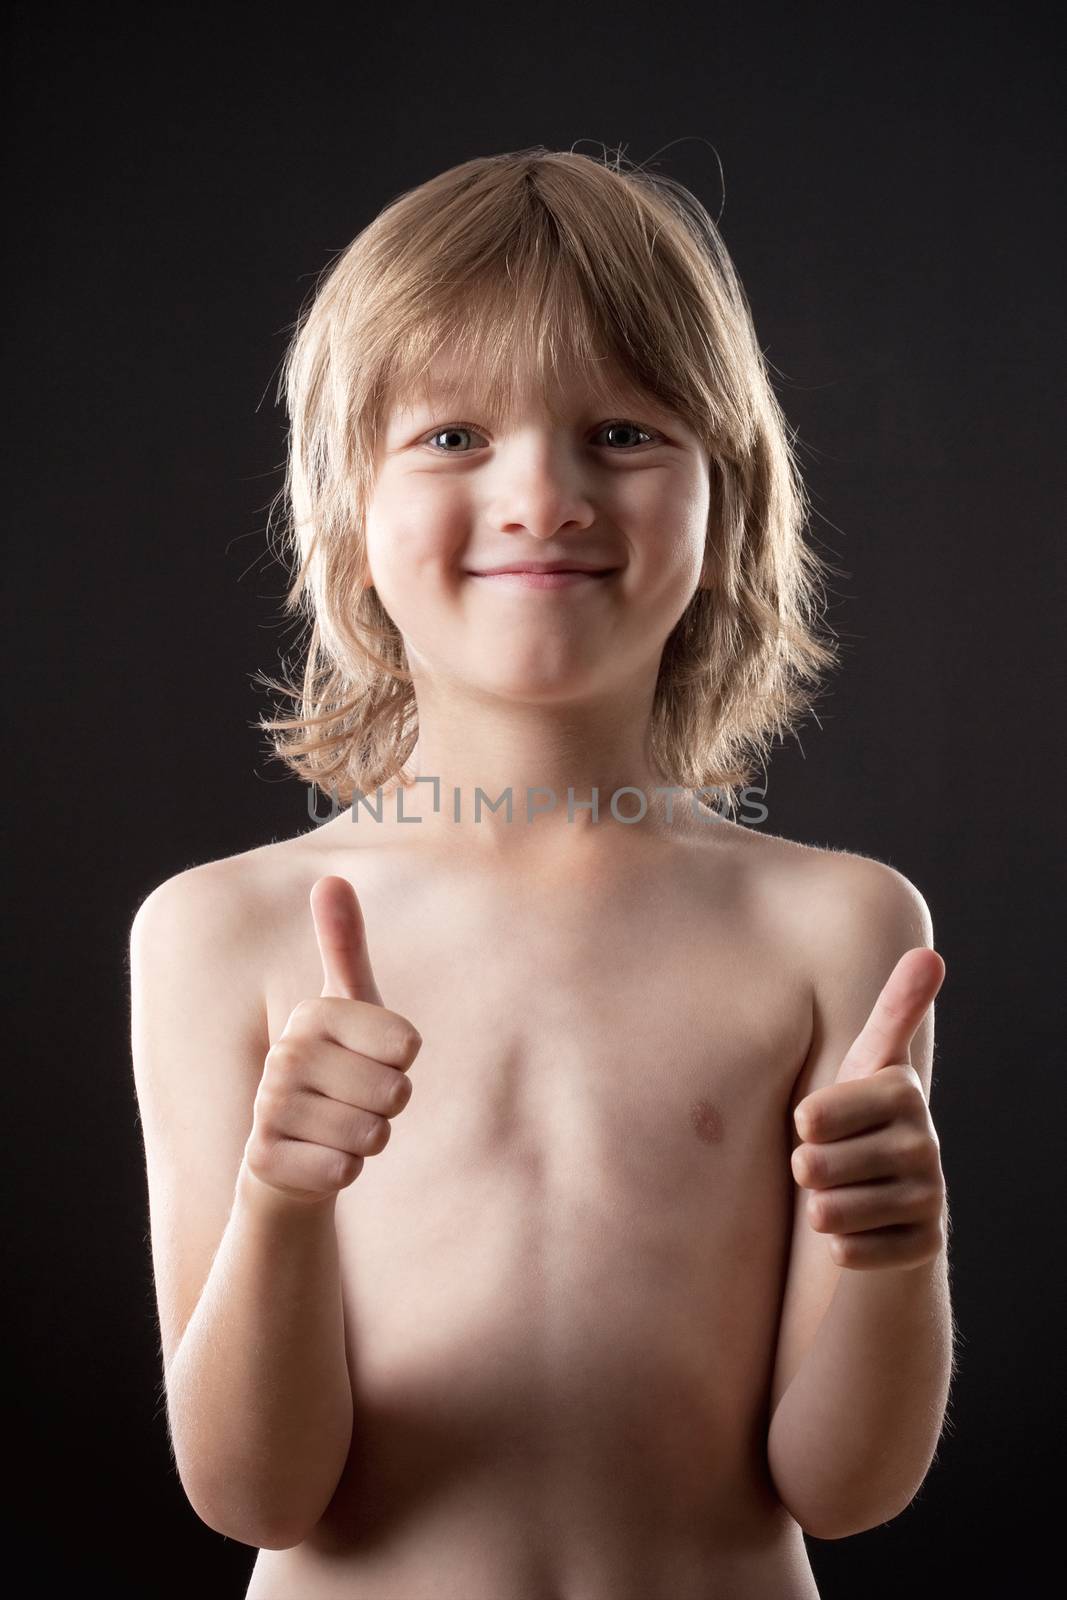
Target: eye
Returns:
[468, 427]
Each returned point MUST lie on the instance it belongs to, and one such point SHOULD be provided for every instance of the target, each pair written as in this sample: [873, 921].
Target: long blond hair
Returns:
[508, 263]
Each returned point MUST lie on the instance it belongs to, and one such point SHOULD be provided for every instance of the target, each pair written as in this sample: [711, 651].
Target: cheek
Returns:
[413, 564]
[670, 561]
[417, 535]
[672, 513]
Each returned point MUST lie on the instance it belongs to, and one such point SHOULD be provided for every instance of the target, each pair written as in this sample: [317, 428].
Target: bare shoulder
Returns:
[855, 896]
[829, 910]
[823, 884]
[866, 914]
[196, 949]
[232, 898]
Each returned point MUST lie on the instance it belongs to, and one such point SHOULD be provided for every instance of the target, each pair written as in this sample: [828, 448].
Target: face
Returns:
[626, 490]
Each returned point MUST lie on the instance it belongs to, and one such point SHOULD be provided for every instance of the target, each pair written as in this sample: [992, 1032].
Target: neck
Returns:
[520, 781]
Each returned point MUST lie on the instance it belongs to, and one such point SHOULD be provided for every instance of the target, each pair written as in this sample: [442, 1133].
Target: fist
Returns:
[338, 1072]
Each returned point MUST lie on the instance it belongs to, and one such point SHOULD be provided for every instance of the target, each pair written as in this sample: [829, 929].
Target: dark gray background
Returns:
[175, 179]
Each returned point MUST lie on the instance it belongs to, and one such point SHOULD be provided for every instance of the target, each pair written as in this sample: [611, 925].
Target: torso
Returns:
[562, 1277]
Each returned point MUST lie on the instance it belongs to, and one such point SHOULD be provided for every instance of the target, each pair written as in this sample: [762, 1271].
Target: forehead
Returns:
[447, 375]
[445, 381]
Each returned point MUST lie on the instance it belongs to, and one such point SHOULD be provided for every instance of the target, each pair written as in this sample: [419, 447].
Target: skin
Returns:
[562, 1275]
[530, 688]
[870, 1155]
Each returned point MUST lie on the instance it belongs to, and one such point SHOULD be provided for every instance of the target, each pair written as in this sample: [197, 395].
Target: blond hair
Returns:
[508, 263]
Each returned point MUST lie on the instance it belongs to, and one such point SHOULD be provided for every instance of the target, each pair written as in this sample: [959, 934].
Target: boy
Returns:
[651, 1277]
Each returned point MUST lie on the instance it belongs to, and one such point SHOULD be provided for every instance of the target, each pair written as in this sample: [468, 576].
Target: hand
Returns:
[337, 1072]
[871, 1154]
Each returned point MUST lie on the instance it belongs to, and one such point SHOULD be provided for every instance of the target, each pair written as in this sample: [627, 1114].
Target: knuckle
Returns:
[404, 1041]
[814, 1165]
[271, 1096]
[400, 1093]
[344, 1165]
[377, 1135]
[258, 1149]
[282, 1055]
[304, 1014]
[918, 1150]
[813, 1121]
[905, 1097]
[265, 1108]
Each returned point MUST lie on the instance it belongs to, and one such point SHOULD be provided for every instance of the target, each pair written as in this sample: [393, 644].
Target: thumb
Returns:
[342, 939]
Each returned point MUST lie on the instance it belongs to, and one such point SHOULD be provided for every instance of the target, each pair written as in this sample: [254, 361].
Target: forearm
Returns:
[853, 1436]
[258, 1392]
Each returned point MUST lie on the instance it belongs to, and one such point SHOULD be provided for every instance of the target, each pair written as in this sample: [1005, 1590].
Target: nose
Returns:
[542, 494]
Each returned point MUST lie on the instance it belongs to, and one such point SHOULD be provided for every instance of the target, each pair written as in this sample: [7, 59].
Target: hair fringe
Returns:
[597, 261]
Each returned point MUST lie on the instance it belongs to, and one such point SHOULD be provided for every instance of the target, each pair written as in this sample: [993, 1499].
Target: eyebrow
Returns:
[427, 392]
[445, 389]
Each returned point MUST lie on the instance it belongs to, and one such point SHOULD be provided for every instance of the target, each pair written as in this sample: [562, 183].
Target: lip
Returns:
[552, 578]
[542, 566]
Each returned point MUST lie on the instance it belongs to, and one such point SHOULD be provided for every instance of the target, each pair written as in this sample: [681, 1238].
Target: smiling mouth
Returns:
[545, 580]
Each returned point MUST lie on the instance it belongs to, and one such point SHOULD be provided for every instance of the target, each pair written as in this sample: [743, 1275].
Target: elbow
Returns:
[245, 1494]
[254, 1528]
[841, 1504]
[845, 1523]
[820, 1526]
[827, 1531]
[846, 1529]
[275, 1538]
[258, 1535]
[829, 1519]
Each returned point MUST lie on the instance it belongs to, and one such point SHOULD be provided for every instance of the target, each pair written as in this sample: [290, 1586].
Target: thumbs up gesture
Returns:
[871, 1155]
[338, 1071]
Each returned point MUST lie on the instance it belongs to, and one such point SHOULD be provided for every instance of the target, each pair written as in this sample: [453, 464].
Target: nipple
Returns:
[706, 1121]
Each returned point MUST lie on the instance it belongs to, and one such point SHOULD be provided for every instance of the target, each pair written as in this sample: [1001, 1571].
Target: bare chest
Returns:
[577, 1232]
[602, 1089]
[626, 1024]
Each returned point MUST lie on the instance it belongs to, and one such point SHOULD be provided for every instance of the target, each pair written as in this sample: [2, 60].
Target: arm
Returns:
[248, 1283]
[864, 1361]
[258, 1390]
